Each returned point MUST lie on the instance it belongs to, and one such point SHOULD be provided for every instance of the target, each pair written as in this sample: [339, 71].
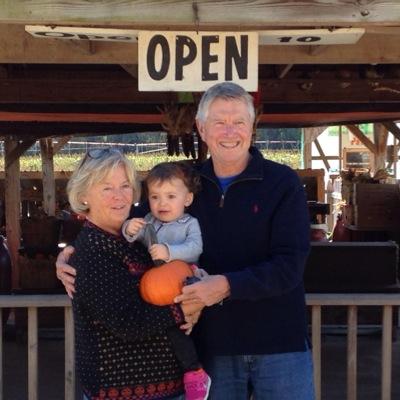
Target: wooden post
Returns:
[316, 352]
[380, 139]
[49, 186]
[309, 135]
[12, 203]
[387, 324]
[352, 353]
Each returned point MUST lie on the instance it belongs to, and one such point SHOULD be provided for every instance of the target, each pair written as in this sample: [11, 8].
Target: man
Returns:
[255, 227]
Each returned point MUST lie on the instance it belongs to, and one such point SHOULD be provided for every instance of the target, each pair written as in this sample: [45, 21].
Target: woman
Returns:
[122, 350]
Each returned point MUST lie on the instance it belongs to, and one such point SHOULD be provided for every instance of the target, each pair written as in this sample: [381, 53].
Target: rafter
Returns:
[282, 70]
[392, 128]
[359, 134]
[61, 141]
[323, 156]
[19, 149]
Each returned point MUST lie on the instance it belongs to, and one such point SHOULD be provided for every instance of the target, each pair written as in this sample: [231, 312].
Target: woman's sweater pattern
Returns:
[122, 350]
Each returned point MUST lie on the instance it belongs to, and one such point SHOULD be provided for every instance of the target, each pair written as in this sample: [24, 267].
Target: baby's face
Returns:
[168, 199]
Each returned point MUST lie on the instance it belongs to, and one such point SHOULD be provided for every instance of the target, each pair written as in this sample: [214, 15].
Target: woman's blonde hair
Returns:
[92, 169]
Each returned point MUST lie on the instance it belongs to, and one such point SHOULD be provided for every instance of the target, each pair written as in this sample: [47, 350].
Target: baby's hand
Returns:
[200, 273]
[134, 226]
[159, 252]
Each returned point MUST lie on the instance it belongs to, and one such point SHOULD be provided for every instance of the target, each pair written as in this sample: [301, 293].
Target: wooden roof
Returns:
[55, 87]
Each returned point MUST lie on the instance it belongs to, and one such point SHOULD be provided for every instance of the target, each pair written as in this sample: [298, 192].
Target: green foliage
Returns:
[65, 162]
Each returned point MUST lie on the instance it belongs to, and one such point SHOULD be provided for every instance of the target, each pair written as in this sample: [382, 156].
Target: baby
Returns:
[170, 189]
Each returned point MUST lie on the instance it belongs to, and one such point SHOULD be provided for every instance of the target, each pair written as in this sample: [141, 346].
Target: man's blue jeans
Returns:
[285, 376]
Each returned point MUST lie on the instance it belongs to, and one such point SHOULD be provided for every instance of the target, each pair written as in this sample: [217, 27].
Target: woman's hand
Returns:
[65, 273]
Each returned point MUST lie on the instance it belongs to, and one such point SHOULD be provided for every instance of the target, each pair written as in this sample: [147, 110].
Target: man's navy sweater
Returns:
[257, 235]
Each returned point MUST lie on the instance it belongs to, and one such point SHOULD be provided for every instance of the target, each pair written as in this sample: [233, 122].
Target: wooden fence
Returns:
[315, 301]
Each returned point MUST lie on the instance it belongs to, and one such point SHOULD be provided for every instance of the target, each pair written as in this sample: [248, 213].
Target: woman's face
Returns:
[110, 200]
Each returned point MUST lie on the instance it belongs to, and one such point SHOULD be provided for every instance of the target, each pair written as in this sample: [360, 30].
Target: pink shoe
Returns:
[197, 385]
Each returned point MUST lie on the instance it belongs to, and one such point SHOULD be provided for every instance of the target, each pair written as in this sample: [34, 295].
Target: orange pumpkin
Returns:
[160, 285]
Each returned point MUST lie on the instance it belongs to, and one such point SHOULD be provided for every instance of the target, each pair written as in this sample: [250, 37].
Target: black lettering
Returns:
[55, 34]
[233, 55]
[308, 39]
[207, 58]
[127, 38]
[158, 40]
[89, 37]
[285, 39]
[180, 60]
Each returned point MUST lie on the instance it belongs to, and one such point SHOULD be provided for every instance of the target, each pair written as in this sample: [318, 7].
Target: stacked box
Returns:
[376, 206]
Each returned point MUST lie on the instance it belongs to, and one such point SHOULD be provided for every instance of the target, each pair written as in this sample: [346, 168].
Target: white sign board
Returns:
[82, 33]
[311, 36]
[191, 61]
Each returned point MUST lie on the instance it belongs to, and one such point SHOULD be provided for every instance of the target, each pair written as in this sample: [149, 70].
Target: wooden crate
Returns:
[375, 206]
[314, 184]
[365, 194]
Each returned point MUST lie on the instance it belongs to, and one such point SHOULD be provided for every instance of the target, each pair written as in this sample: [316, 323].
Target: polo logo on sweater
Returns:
[255, 209]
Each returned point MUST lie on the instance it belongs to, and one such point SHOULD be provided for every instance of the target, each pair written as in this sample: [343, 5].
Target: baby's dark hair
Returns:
[177, 169]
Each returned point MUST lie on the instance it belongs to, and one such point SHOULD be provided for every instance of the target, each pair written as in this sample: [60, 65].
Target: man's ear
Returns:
[200, 128]
[189, 199]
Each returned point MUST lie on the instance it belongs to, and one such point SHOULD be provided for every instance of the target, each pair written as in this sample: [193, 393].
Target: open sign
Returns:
[190, 61]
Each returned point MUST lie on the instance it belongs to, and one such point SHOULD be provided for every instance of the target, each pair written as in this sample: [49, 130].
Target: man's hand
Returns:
[159, 252]
[65, 273]
[211, 290]
[134, 226]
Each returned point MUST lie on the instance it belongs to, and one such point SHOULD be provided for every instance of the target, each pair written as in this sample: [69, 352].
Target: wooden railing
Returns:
[352, 301]
[32, 303]
[315, 301]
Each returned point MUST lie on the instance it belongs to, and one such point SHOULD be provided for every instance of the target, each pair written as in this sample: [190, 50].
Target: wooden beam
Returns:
[309, 135]
[17, 151]
[392, 128]
[131, 69]
[380, 139]
[283, 70]
[82, 117]
[358, 133]
[161, 12]
[49, 187]
[323, 156]
[61, 142]
[17, 46]
[12, 205]
[314, 50]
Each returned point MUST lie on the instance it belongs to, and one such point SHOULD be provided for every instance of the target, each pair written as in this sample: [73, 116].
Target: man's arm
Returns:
[65, 273]
[281, 271]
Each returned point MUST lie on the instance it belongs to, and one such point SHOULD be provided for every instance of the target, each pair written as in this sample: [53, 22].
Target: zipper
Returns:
[222, 198]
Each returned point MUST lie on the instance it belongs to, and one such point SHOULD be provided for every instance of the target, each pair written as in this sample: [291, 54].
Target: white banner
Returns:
[191, 61]
[299, 37]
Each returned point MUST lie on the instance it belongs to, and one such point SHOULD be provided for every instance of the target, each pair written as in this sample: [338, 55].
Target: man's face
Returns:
[227, 132]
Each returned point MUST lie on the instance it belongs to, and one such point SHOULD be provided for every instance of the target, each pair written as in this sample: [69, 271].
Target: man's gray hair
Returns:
[93, 168]
[225, 91]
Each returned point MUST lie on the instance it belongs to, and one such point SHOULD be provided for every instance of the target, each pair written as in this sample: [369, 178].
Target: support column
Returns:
[49, 187]
[309, 135]
[12, 203]
[380, 139]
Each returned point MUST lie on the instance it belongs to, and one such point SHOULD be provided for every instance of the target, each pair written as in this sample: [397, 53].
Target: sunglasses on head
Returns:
[98, 153]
